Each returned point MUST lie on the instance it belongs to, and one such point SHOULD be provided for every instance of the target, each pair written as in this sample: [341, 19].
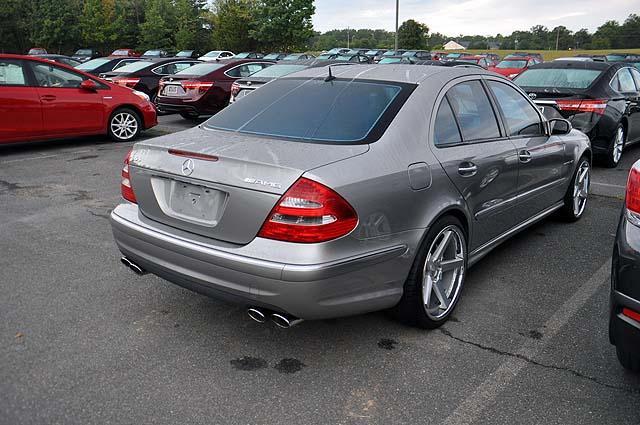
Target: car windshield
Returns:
[93, 64]
[213, 54]
[84, 52]
[152, 53]
[512, 64]
[340, 111]
[325, 57]
[201, 69]
[344, 58]
[37, 52]
[120, 53]
[454, 55]
[372, 53]
[243, 55]
[389, 53]
[184, 54]
[276, 71]
[334, 51]
[410, 53]
[134, 66]
[568, 78]
[390, 60]
[272, 56]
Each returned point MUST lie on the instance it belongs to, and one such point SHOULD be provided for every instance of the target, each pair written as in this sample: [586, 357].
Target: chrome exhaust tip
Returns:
[133, 266]
[256, 315]
[285, 321]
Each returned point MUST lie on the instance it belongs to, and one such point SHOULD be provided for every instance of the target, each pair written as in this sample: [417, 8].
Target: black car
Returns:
[101, 65]
[624, 317]
[357, 58]
[375, 54]
[188, 54]
[243, 87]
[599, 98]
[418, 54]
[60, 59]
[144, 75]
[621, 57]
[83, 55]
[275, 56]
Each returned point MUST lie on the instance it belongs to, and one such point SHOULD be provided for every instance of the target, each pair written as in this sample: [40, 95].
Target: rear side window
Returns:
[446, 129]
[623, 82]
[520, 117]
[473, 111]
[339, 111]
[11, 74]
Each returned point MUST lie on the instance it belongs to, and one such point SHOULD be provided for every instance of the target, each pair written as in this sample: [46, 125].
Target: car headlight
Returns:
[141, 95]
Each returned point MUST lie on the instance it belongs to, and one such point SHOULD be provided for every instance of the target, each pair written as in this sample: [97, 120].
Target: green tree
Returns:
[413, 35]
[54, 24]
[630, 32]
[582, 39]
[233, 21]
[159, 25]
[607, 36]
[283, 24]
[189, 23]
[561, 36]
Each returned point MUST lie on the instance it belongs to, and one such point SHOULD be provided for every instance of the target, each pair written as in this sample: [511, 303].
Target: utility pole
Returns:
[557, 38]
[397, 11]
[348, 31]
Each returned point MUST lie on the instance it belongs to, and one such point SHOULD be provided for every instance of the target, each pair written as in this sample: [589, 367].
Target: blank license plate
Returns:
[198, 203]
[171, 90]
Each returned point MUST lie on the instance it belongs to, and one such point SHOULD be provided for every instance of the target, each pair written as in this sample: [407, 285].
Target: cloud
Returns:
[484, 17]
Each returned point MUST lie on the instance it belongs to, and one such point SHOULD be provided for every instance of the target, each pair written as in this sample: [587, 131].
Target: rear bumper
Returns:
[149, 116]
[357, 284]
[175, 108]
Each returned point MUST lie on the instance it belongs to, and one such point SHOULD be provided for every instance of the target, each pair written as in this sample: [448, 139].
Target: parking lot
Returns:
[87, 341]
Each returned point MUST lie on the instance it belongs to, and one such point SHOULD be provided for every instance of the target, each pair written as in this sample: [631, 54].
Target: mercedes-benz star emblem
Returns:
[188, 167]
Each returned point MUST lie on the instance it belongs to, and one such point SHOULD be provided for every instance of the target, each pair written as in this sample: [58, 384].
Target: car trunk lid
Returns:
[221, 184]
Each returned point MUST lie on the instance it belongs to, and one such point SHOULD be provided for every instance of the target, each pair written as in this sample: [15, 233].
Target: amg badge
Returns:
[274, 185]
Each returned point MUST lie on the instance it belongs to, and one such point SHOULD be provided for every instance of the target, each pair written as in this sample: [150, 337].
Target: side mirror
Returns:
[89, 85]
[559, 127]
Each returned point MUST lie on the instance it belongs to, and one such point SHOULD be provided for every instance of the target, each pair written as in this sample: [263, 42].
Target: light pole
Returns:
[397, 10]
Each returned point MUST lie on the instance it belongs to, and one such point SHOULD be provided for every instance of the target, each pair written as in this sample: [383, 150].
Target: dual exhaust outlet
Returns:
[282, 320]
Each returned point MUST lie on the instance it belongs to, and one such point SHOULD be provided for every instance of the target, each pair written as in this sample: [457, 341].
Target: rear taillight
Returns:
[631, 314]
[235, 89]
[633, 194]
[125, 183]
[309, 212]
[200, 87]
[127, 82]
[597, 106]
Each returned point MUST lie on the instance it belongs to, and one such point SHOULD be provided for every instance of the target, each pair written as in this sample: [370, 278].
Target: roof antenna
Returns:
[330, 77]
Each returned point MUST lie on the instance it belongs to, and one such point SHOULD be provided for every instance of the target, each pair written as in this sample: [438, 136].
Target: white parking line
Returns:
[617, 186]
[471, 408]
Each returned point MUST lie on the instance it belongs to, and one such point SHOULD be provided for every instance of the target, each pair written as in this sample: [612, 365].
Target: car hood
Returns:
[507, 71]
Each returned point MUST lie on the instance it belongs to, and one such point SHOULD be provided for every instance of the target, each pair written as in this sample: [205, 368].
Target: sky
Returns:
[472, 17]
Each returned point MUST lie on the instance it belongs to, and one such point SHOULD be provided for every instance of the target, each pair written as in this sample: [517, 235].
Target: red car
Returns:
[126, 52]
[205, 88]
[40, 99]
[513, 66]
[478, 60]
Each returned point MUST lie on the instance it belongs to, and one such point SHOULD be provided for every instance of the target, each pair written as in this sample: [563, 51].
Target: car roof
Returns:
[401, 73]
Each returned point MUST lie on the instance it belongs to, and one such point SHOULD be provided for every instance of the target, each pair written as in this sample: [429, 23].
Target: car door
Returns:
[542, 171]
[20, 110]
[479, 160]
[66, 108]
[633, 101]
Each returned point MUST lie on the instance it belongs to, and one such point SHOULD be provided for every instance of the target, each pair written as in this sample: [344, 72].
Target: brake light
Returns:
[195, 155]
[597, 106]
[309, 212]
[199, 86]
[125, 183]
[633, 190]
[235, 89]
[127, 82]
[631, 314]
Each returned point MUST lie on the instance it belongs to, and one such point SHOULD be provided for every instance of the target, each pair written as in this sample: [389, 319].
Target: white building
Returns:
[452, 45]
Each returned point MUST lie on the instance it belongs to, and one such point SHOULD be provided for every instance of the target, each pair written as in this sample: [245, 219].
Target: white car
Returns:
[216, 55]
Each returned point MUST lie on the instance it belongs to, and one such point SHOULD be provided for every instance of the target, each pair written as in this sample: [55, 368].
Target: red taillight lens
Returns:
[631, 314]
[125, 183]
[127, 82]
[235, 89]
[200, 87]
[597, 106]
[309, 212]
[633, 190]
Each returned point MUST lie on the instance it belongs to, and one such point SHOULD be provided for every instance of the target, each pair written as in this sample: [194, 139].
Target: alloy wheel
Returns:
[581, 189]
[618, 145]
[443, 272]
[124, 125]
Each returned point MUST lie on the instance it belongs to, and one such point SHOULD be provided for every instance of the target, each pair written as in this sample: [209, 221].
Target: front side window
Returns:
[172, 68]
[520, 117]
[11, 73]
[446, 130]
[52, 76]
[338, 111]
[473, 111]
[245, 70]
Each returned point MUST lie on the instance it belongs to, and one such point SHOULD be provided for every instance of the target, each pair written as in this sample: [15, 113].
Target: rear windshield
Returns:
[243, 55]
[512, 64]
[93, 64]
[184, 54]
[214, 53]
[152, 53]
[276, 71]
[313, 110]
[201, 69]
[134, 66]
[120, 53]
[84, 52]
[558, 78]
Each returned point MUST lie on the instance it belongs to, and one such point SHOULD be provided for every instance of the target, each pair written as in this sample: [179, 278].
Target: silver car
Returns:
[344, 190]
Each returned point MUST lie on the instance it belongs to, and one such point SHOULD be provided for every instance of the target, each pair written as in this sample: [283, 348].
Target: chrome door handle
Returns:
[524, 156]
[48, 97]
[467, 169]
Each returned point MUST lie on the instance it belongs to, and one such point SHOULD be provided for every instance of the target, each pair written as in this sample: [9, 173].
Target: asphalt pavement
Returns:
[86, 341]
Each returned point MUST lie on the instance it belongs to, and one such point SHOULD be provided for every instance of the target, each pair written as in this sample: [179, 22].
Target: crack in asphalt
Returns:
[536, 363]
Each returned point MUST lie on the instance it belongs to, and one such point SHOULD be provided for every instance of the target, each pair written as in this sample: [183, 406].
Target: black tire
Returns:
[117, 135]
[568, 212]
[189, 116]
[610, 160]
[628, 359]
[411, 310]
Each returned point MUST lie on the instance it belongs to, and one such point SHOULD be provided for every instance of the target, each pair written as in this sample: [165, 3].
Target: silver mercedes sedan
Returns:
[339, 191]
